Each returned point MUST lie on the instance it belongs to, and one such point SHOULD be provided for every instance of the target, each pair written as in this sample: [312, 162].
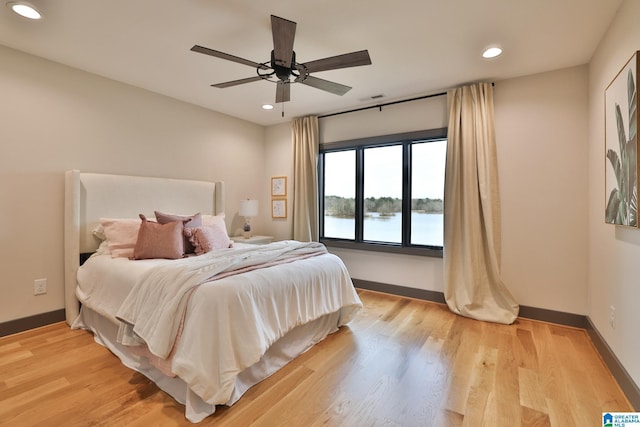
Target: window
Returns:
[384, 193]
[340, 194]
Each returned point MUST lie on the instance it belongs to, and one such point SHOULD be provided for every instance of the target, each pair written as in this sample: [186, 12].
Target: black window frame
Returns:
[359, 145]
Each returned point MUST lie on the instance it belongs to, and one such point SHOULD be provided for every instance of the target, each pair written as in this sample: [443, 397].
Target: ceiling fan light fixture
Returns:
[25, 10]
[492, 52]
[267, 107]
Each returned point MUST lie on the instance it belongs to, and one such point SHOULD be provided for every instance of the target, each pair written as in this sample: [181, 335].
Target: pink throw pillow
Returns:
[159, 240]
[189, 221]
[121, 235]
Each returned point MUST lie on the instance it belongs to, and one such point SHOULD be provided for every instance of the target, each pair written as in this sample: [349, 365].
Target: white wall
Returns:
[430, 113]
[541, 132]
[614, 252]
[541, 126]
[54, 118]
[278, 162]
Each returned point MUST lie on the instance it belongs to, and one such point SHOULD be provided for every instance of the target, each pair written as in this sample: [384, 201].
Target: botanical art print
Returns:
[621, 175]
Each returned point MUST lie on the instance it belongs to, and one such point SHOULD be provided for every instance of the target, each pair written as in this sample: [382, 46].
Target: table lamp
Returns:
[248, 210]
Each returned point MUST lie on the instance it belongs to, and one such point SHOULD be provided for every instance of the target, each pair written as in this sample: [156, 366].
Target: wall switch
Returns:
[40, 286]
[612, 316]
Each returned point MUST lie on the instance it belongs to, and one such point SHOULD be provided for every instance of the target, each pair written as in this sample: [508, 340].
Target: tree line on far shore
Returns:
[346, 206]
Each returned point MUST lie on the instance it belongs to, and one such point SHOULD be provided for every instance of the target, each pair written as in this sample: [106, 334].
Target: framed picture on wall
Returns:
[621, 146]
[279, 186]
[278, 208]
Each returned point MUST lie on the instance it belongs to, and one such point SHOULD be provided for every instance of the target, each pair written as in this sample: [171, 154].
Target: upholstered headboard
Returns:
[91, 196]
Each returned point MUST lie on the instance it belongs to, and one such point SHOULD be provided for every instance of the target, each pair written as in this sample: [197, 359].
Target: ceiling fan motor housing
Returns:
[283, 73]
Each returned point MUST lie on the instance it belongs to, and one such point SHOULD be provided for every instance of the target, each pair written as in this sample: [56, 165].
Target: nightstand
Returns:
[253, 240]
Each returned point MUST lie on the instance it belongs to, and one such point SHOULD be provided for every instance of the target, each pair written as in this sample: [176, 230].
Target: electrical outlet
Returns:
[612, 316]
[40, 286]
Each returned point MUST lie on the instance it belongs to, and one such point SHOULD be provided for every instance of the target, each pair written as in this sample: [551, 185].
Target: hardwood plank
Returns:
[423, 385]
[400, 362]
[24, 399]
[526, 349]
[481, 388]
[10, 357]
[531, 392]
[552, 377]
[262, 399]
[10, 347]
[52, 411]
[507, 385]
[466, 339]
[533, 418]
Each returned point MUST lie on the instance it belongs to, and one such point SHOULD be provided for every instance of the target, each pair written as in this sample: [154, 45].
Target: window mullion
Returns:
[359, 223]
[321, 194]
[406, 194]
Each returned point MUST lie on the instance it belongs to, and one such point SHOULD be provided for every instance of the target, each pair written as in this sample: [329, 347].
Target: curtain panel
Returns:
[472, 240]
[305, 140]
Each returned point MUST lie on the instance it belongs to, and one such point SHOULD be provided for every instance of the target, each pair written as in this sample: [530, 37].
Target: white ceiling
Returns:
[417, 46]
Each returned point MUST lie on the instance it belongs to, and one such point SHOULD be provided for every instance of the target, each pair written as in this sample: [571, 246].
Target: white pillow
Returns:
[215, 221]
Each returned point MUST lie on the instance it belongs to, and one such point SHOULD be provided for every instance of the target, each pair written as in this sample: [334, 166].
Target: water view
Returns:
[426, 228]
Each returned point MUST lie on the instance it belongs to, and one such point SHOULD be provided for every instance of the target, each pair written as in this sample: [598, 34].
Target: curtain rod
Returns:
[383, 105]
[387, 103]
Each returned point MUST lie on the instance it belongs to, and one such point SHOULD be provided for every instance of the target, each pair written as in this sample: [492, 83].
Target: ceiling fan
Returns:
[283, 69]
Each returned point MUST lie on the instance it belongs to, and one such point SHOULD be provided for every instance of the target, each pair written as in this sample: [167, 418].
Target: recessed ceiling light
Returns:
[492, 52]
[267, 107]
[25, 10]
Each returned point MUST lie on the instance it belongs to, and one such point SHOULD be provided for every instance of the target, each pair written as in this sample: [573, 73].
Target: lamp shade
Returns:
[248, 208]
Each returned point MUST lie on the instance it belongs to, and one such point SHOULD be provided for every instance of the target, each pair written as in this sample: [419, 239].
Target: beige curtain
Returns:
[304, 136]
[473, 286]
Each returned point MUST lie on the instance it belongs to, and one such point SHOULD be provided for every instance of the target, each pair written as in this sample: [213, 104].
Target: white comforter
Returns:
[152, 312]
[230, 323]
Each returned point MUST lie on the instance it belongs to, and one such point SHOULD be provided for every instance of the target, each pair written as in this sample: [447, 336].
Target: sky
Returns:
[383, 171]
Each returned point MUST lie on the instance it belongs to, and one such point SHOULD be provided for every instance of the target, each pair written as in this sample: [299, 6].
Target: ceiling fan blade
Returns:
[228, 57]
[237, 82]
[326, 85]
[283, 92]
[353, 59]
[284, 32]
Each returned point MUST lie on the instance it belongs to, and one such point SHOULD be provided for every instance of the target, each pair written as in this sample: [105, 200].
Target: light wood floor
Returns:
[402, 362]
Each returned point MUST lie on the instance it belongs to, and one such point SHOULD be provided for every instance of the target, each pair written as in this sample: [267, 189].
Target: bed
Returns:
[204, 328]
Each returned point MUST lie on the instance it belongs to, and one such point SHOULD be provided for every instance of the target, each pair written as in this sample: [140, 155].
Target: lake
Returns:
[426, 229]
